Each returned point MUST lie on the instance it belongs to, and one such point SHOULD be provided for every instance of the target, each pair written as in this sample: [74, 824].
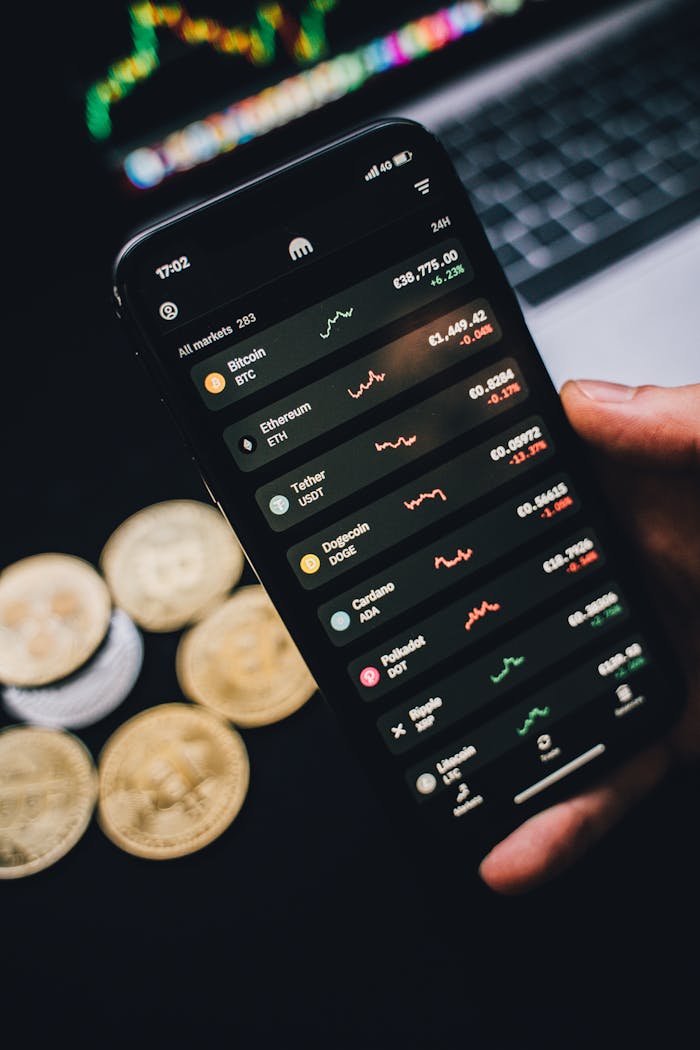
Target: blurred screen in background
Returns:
[168, 87]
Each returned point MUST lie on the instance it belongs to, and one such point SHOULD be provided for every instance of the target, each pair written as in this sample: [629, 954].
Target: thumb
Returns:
[651, 424]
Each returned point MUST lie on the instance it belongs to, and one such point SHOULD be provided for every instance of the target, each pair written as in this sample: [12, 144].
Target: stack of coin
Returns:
[241, 662]
[54, 613]
[66, 657]
[48, 788]
[91, 694]
[168, 564]
[173, 777]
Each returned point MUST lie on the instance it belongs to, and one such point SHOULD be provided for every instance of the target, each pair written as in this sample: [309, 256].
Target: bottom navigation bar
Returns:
[559, 774]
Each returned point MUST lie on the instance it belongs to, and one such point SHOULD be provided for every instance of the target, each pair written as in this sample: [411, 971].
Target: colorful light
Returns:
[304, 40]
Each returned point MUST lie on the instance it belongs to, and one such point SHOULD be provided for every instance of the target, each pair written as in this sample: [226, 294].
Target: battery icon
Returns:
[404, 157]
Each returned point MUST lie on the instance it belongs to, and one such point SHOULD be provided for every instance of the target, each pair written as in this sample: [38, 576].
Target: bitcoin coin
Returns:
[172, 779]
[241, 662]
[48, 789]
[91, 693]
[54, 613]
[168, 564]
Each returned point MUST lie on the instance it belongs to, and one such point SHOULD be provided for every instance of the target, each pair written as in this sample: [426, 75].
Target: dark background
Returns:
[307, 924]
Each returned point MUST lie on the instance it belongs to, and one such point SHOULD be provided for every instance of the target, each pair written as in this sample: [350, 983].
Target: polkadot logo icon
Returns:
[369, 677]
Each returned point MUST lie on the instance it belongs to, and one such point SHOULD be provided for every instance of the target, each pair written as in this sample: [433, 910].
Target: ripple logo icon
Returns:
[300, 247]
[369, 677]
[168, 311]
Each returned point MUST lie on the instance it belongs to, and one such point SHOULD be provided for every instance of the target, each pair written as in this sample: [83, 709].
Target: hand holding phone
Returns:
[342, 353]
[650, 435]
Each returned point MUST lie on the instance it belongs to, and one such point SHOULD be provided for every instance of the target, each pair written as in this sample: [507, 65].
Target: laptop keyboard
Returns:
[590, 161]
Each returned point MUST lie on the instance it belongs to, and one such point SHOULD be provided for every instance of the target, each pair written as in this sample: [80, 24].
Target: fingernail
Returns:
[597, 390]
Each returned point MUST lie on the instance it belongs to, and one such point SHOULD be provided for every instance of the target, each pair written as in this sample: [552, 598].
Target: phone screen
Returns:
[354, 377]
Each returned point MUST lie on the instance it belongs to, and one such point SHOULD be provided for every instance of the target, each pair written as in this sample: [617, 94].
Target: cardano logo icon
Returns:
[340, 621]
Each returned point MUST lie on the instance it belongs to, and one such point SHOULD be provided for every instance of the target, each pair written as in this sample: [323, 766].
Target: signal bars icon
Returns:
[404, 157]
[423, 186]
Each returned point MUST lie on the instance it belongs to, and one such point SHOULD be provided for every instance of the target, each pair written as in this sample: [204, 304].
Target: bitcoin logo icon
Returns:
[215, 382]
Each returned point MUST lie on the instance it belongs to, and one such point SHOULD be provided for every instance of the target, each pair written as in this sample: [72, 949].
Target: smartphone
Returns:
[344, 357]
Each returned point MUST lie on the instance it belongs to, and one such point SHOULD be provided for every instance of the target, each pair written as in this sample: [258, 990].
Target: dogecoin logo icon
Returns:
[310, 564]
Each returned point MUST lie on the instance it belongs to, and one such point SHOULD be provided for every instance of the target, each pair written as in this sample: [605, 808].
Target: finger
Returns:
[652, 424]
[551, 841]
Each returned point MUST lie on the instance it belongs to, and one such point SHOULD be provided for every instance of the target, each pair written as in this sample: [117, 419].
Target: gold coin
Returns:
[169, 563]
[54, 613]
[48, 788]
[241, 662]
[172, 779]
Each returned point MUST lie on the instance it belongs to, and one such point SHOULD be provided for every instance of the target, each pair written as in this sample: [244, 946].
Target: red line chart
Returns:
[411, 504]
[372, 378]
[406, 442]
[478, 613]
[449, 563]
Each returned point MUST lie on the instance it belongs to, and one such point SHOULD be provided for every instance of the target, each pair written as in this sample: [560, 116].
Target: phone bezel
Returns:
[299, 181]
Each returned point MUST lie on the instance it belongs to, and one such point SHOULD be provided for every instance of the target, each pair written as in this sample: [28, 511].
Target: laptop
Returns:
[575, 127]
